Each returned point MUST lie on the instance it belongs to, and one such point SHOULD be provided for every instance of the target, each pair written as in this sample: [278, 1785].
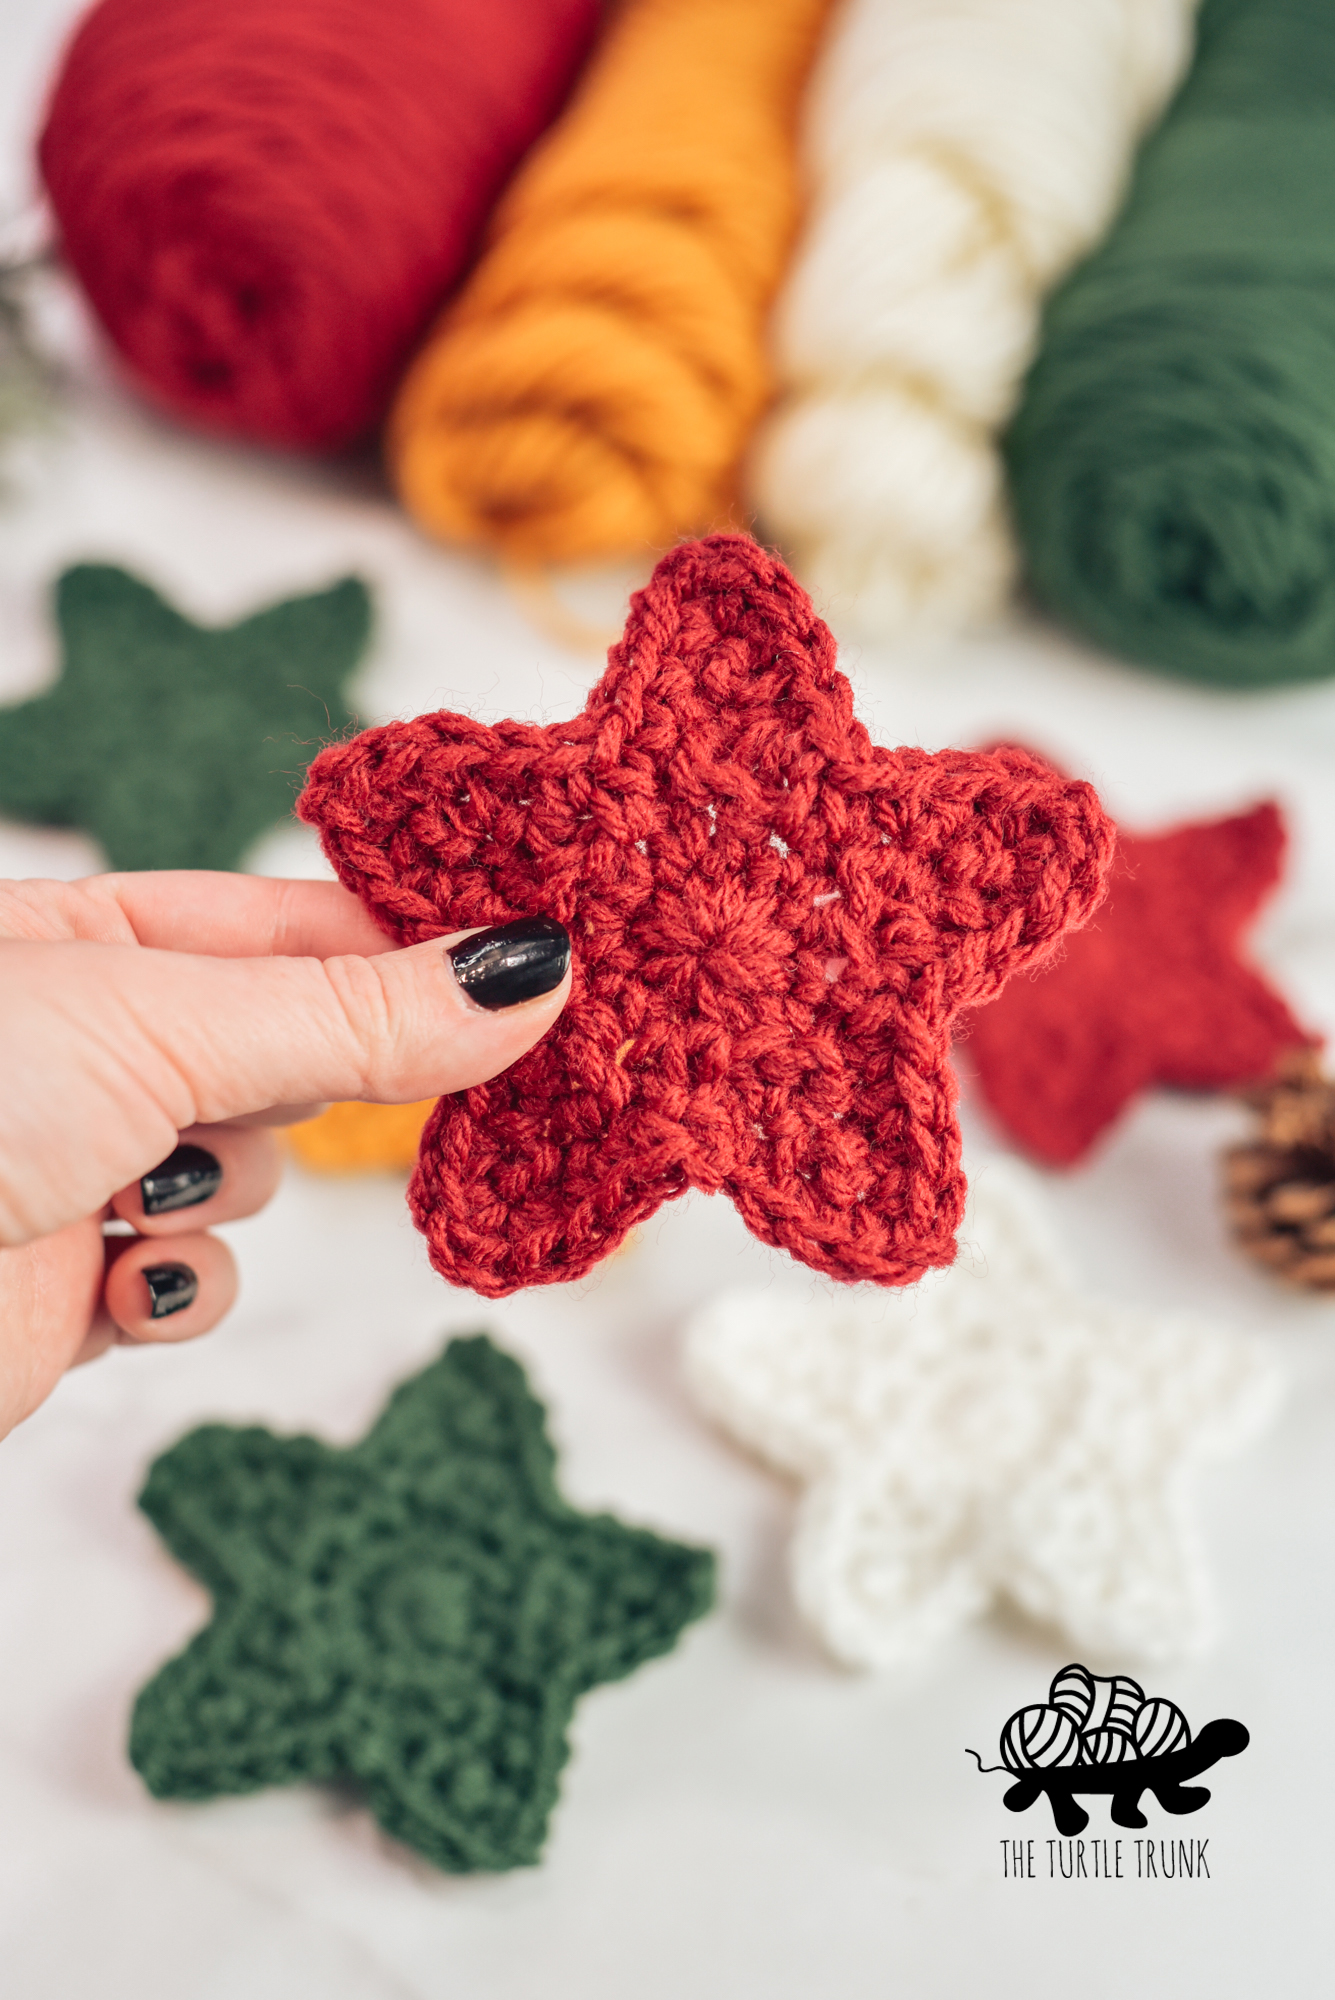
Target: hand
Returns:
[151, 1026]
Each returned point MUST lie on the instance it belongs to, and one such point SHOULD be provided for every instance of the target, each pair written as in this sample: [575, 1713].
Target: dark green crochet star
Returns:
[417, 1614]
[173, 745]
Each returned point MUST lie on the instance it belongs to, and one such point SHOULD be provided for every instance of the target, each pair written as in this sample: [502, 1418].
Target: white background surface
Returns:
[743, 1818]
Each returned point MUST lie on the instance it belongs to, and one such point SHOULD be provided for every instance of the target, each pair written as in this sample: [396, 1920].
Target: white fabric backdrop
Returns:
[742, 1818]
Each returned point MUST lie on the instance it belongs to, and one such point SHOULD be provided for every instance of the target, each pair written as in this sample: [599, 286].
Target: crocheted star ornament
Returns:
[995, 1434]
[775, 925]
[1154, 992]
[417, 1613]
[176, 746]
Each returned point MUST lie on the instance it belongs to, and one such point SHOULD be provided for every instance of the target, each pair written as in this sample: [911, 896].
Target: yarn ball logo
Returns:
[1103, 1733]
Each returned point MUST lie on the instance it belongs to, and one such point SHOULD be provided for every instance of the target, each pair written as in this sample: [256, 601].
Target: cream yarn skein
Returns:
[961, 154]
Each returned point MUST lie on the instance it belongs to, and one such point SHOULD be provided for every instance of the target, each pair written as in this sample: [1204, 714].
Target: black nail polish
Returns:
[171, 1288]
[512, 962]
[184, 1179]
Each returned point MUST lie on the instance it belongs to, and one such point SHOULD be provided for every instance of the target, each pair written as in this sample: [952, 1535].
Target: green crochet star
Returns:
[417, 1613]
[173, 745]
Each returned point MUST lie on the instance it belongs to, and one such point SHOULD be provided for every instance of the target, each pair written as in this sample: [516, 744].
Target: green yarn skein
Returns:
[1172, 464]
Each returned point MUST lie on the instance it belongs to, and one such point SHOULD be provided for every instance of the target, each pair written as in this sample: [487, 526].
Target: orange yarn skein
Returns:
[592, 388]
[361, 1138]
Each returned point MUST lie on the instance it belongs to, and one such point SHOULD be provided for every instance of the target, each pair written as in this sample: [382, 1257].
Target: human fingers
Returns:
[65, 1298]
[224, 916]
[49, 1298]
[281, 1114]
[214, 1173]
[124, 1048]
[245, 916]
[168, 1289]
[245, 1034]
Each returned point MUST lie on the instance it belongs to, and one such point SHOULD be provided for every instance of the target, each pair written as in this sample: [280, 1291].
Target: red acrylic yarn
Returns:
[776, 924]
[1158, 990]
[266, 200]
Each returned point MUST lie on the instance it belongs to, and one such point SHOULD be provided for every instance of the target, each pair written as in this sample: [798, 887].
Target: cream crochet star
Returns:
[993, 1433]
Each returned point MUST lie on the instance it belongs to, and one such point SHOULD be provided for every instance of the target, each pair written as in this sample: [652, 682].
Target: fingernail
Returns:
[171, 1288]
[512, 962]
[184, 1179]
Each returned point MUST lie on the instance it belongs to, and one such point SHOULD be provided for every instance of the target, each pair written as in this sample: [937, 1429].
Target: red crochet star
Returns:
[1155, 991]
[775, 925]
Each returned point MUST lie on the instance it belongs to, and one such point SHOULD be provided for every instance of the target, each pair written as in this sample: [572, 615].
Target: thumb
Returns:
[121, 1047]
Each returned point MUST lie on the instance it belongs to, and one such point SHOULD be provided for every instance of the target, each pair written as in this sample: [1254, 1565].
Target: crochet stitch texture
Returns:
[775, 925]
[173, 745]
[998, 1433]
[417, 1613]
[1154, 992]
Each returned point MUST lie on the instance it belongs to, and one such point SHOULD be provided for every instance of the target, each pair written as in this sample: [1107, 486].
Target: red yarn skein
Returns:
[266, 200]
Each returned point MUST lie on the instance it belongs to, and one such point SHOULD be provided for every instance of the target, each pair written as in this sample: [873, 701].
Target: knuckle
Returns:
[373, 1016]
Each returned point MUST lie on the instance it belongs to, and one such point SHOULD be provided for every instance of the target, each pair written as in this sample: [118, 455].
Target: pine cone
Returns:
[1280, 1190]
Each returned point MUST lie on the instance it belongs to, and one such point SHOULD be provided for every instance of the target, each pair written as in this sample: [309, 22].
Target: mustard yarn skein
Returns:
[360, 1138]
[592, 388]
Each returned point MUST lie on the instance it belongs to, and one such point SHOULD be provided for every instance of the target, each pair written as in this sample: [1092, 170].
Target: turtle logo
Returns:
[1102, 1733]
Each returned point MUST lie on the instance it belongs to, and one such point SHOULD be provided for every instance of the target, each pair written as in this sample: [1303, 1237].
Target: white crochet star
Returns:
[992, 1433]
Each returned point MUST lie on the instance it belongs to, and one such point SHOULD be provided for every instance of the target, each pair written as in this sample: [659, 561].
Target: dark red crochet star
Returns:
[1154, 992]
[775, 923]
